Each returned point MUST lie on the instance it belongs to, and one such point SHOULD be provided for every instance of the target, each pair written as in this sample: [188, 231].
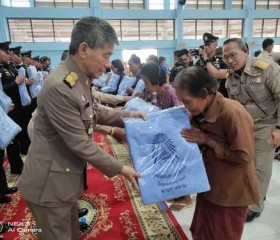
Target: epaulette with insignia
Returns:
[261, 64]
[71, 79]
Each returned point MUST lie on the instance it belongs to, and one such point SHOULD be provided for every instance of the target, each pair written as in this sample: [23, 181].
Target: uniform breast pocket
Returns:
[87, 117]
[258, 89]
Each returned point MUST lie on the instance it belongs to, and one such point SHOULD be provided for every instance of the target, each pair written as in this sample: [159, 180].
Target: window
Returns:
[122, 4]
[224, 28]
[42, 30]
[148, 30]
[130, 30]
[266, 28]
[62, 3]
[235, 27]
[15, 3]
[172, 4]
[257, 27]
[156, 4]
[202, 27]
[116, 24]
[237, 4]
[62, 30]
[270, 27]
[39, 30]
[262, 4]
[189, 29]
[165, 30]
[220, 28]
[206, 4]
[20, 30]
[278, 28]
[135, 30]
[274, 4]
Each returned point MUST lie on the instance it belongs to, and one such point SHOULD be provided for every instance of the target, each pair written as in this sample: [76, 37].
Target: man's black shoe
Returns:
[11, 190]
[4, 199]
[252, 215]
[82, 212]
[4, 227]
[83, 226]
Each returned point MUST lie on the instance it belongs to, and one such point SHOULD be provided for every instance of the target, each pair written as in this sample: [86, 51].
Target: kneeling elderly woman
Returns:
[224, 131]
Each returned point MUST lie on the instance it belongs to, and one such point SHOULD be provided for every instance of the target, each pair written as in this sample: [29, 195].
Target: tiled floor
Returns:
[266, 227]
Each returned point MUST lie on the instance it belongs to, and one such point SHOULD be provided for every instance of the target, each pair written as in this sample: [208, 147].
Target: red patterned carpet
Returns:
[115, 208]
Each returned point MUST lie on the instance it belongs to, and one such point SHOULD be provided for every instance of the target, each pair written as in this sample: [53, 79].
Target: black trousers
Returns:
[3, 180]
[13, 149]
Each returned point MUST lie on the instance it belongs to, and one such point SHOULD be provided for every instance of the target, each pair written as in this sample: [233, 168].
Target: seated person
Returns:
[155, 82]
[103, 80]
[116, 78]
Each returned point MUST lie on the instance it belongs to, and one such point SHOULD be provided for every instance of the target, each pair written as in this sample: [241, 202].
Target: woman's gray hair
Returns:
[94, 31]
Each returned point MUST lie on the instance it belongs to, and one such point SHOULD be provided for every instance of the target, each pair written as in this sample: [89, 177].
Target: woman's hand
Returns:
[195, 135]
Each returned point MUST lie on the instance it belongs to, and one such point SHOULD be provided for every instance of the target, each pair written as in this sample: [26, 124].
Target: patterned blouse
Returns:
[168, 99]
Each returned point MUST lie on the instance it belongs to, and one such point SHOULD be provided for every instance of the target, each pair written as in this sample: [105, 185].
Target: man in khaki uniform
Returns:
[53, 176]
[255, 83]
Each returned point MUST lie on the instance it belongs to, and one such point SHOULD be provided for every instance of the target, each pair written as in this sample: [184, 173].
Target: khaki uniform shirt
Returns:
[61, 142]
[257, 89]
[274, 56]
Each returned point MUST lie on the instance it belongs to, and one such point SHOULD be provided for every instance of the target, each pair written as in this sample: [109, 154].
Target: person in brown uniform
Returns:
[53, 176]
[255, 83]
[224, 131]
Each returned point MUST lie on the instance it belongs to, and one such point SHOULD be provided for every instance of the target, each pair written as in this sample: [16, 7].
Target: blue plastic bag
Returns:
[8, 129]
[5, 100]
[138, 104]
[36, 86]
[24, 95]
[170, 166]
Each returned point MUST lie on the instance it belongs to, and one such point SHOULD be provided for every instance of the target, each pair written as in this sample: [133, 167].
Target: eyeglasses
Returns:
[232, 56]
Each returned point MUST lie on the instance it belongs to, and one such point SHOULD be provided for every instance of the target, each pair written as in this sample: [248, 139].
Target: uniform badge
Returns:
[71, 79]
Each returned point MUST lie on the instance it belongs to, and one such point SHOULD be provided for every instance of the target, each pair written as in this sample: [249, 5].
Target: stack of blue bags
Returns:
[170, 166]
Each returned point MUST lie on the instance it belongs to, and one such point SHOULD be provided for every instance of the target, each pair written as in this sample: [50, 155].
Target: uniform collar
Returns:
[267, 53]
[214, 109]
[82, 77]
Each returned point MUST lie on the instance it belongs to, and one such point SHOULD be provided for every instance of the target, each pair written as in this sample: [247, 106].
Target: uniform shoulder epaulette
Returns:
[262, 64]
[71, 79]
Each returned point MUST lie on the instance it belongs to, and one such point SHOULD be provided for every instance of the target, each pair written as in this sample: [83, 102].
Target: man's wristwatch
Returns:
[206, 61]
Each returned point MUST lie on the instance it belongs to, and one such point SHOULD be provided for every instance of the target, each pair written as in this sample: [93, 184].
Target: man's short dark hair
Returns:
[175, 53]
[183, 52]
[94, 31]
[267, 42]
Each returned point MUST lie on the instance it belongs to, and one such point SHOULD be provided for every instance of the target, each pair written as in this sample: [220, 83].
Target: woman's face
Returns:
[114, 69]
[195, 105]
[148, 85]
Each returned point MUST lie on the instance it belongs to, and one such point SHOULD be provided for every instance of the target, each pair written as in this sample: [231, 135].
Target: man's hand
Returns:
[141, 95]
[119, 134]
[129, 90]
[135, 114]
[195, 135]
[29, 81]
[127, 98]
[19, 80]
[131, 175]
[275, 138]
